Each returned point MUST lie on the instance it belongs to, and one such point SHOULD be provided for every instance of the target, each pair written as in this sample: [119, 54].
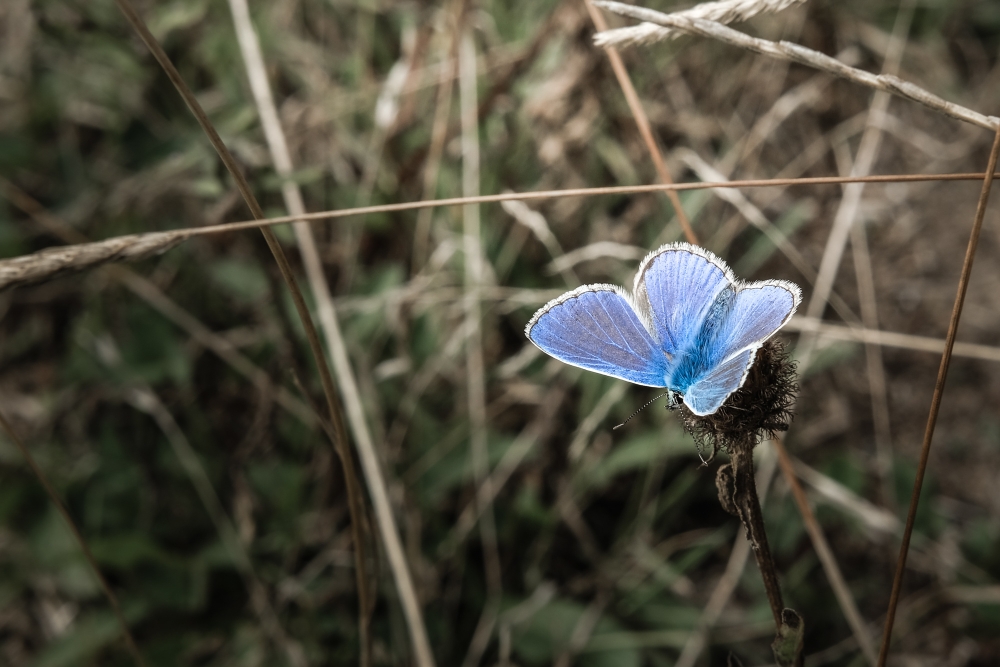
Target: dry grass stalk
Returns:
[956, 316]
[254, 61]
[53, 262]
[474, 363]
[37, 266]
[257, 74]
[642, 122]
[802, 55]
[333, 407]
[727, 11]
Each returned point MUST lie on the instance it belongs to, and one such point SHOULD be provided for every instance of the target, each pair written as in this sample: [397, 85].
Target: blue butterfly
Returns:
[690, 325]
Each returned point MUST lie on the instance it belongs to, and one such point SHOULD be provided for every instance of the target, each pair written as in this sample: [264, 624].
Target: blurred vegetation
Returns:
[611, 542]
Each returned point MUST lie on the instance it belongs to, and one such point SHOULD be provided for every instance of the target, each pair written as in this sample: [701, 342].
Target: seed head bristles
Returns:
[722, 12]
[799, 54]
[762, 407]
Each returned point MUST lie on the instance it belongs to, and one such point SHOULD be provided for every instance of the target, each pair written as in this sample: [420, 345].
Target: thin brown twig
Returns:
[642, 121]
[84, 547]
[800, 54]
[578, 192]
[956, 315]
[51, 262]
[253, 59]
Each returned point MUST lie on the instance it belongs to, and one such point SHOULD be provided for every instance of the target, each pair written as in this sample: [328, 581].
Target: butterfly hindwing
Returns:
[708, 394]
[754, 313]
[679, 284]
[597, 328]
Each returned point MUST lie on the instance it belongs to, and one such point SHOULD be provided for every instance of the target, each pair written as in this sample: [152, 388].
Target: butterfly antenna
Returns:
[639, 410]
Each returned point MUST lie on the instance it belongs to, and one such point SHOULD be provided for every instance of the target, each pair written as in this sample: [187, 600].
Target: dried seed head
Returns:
[761, 407]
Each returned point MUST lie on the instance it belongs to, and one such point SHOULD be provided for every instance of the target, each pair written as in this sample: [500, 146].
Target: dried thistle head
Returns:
[761, 407]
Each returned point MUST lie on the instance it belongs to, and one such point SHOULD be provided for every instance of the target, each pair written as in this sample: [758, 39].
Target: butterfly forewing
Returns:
[596, 328]
[679, 284]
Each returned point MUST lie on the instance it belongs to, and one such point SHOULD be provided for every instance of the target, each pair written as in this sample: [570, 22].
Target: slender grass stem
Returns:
[390, 534]
[925, 448]
[642, 122]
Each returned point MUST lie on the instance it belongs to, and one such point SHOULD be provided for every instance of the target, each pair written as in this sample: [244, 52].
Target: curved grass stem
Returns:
[418, 632]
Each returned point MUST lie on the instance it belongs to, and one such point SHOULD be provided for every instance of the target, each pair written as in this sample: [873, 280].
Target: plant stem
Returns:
[747, 505]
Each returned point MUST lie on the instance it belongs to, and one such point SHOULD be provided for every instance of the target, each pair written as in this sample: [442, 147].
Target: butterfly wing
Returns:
[596, 327]
[678, 284]
[756, 312]
[709, 393]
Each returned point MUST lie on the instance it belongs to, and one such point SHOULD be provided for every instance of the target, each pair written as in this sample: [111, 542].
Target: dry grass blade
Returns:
[877, 382]
[727, 11]
[84, 547]
[956, 315]
[472, 244]
[280, 155]
[802, 55]
[873, 517]
[300, 306]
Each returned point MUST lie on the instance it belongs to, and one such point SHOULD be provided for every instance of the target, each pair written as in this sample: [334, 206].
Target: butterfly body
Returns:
[689, 325]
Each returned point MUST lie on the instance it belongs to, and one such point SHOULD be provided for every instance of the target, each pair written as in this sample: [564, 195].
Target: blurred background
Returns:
[170, 401]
